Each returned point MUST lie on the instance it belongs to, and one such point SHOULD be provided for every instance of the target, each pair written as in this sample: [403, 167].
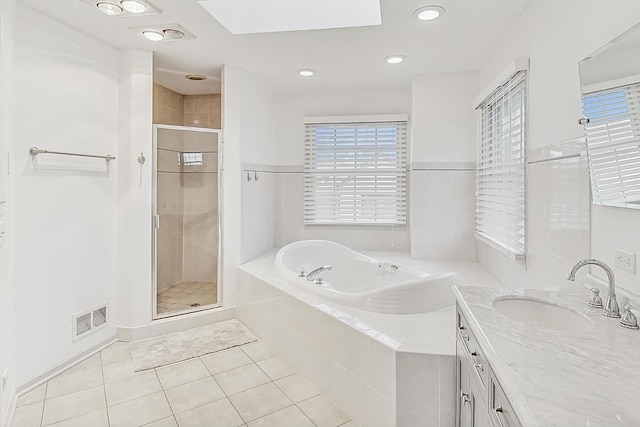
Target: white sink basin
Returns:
[541, 314]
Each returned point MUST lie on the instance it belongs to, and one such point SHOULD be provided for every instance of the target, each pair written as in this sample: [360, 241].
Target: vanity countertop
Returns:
[553, 378]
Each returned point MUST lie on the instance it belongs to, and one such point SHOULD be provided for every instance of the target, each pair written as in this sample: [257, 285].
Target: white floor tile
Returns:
[241, 379]
[92, 362]
[225, 360]
[140, 411]
[132, 387]
[297, 387]
[165, 422]
[115, 353]
[258, 351]
[287, 417]
[182, 373]
[73, 405]
[28, 415]
[260, 401]
[97, 418]
[215, 414]
[188, 396]
[323, 412]
[350, 424]
[34, 396]
[75, 381]
[118, 371]
[276, 367]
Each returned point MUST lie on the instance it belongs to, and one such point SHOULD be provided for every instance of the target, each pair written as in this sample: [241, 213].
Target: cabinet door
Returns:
[464, 406]
[481, 416]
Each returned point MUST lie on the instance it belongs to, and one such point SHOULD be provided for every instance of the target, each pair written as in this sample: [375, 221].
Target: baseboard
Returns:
[175, 324]
[38, 380]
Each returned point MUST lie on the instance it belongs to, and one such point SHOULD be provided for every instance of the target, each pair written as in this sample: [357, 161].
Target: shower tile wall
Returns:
[173, 108]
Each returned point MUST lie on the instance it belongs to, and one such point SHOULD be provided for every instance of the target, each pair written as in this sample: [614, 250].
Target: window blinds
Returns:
[356, 173]
[613, 143]
[500, 176]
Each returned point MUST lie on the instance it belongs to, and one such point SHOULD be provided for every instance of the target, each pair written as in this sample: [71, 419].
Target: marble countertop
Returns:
[551, 378]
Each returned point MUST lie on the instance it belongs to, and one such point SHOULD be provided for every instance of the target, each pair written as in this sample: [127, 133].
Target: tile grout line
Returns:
[104, 390]
[173, 414]
[226, 396]
[44, 402]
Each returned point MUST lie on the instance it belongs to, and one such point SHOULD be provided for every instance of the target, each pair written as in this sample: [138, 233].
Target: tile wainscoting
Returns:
[363, 372]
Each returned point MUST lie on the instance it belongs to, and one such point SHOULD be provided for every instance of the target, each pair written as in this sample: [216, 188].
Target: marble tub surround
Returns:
[365, 362]
[555, 378]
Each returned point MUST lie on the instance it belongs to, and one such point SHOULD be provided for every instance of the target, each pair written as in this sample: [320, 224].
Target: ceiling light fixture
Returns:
[173, 34]
[154, 36]
[307, 72]
[133, 6]
[109, 8]
[429, 13]
[394, 59]
[195, 77]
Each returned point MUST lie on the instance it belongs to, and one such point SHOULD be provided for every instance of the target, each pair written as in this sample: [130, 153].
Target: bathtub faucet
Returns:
[317, 274]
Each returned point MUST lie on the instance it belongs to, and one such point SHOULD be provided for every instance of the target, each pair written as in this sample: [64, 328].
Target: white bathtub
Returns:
[363, 282]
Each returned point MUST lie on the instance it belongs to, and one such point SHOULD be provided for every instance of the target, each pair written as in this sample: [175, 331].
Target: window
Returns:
[500, 177]
[190, 159]
[356, 173]
[613, 143]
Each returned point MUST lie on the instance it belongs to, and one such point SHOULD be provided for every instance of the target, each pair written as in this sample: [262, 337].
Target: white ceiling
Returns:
[345, 58]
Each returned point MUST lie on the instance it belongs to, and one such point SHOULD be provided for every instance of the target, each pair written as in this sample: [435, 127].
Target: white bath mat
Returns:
[163, 350]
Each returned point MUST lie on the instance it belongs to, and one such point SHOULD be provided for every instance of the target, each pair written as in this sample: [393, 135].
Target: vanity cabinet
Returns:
[481, 401]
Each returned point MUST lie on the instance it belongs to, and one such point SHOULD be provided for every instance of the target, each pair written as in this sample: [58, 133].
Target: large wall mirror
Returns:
[610, 84]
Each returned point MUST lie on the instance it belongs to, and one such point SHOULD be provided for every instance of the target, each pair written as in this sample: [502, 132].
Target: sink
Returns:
[541, 314]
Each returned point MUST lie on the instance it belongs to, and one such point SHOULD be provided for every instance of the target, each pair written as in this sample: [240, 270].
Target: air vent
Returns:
[85, 323]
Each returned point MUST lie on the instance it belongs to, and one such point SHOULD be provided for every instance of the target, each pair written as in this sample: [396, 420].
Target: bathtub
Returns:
[363, 282]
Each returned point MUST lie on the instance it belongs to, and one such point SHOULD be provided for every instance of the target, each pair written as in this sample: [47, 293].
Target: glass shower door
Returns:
[186, 220]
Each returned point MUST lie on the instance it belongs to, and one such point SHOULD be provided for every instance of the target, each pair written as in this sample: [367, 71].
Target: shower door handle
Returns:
[156, 222]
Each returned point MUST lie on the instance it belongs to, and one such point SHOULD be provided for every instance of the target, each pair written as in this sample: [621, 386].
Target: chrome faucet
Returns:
[316, 274]
[611, 307]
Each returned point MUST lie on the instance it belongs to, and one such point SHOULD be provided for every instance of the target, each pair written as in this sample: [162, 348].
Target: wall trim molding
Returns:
[262, 167]
[39, 379]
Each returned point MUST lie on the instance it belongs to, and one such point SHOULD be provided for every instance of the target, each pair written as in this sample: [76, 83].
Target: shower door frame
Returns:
[155, 223]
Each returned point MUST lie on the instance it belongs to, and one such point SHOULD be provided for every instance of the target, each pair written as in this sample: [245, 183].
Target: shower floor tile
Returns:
[187, 395]
[187, 294]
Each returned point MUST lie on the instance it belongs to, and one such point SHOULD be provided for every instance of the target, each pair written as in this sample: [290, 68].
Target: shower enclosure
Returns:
[186, 223]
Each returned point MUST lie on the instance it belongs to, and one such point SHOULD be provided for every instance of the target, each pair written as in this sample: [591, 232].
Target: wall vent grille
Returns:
[87, 322]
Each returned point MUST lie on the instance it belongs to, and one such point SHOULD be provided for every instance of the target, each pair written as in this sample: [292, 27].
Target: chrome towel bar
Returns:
[35, 151]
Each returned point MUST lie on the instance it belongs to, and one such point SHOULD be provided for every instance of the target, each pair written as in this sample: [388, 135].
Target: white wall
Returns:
[443, 147]
[134, 270]
[7, 343]
[66, 98]
[247, 213]
[556, 35]
[291, 109]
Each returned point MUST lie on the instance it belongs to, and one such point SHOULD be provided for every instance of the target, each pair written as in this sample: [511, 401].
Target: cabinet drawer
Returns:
[499, 406]
[472, 349]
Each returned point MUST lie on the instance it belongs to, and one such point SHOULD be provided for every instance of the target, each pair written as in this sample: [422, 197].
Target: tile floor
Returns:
[244, 386]
[184, 295]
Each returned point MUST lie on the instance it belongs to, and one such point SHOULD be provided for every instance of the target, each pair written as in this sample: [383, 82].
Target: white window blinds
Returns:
[356, 173]
[500, 176]
[613, 143]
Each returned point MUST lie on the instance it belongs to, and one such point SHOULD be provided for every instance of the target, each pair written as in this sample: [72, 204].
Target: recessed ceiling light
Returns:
[429, 13]
[133, 6]
[195, 77]
[394, 59]
[173, 33]
[154, 36]
[307, 72]
[109, 8]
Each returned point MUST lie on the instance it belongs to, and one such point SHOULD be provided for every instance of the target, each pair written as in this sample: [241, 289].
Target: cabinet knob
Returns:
[465, 398]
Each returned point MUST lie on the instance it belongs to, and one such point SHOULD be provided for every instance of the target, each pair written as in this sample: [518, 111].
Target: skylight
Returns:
[261, 16]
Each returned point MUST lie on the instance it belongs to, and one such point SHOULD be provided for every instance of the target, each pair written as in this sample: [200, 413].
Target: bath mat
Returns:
[159, 351]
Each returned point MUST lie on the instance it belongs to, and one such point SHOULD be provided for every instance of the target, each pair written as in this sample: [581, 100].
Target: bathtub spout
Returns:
[315, 274]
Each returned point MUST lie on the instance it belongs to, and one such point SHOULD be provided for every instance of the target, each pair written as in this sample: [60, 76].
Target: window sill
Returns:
[508, 252]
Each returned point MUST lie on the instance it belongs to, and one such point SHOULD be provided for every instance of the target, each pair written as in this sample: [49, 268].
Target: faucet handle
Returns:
[595, 301]
[303, 272]
[628, 319]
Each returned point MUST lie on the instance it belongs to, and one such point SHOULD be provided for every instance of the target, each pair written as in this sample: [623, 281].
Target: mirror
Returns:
[610, 85]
